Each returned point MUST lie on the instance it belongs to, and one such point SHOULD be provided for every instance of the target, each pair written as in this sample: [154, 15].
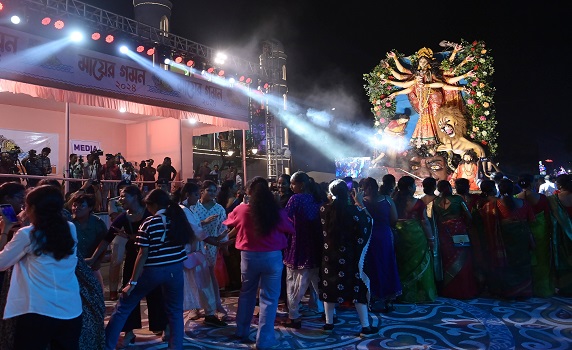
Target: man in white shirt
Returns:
[548, 187]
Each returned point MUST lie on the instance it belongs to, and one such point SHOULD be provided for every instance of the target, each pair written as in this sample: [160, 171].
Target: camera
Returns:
[97, 152]
[14, 152]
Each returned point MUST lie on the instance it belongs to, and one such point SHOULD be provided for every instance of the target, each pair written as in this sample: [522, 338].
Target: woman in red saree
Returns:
[453, 220]
[509, 241]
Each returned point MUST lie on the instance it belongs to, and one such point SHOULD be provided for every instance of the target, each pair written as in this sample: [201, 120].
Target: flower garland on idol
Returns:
[478, 97]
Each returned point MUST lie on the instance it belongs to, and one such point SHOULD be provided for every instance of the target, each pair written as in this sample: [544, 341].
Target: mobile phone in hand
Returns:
[8, 212]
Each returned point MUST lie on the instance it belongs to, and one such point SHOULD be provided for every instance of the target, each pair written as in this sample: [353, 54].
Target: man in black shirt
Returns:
[166, 174]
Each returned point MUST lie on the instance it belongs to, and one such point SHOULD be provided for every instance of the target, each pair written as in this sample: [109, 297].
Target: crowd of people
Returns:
[362, 244]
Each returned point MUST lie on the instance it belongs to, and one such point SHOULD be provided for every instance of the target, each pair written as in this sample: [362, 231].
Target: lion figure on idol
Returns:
[451, 128]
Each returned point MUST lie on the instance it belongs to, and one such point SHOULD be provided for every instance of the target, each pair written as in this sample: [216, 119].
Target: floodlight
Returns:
[76, 36]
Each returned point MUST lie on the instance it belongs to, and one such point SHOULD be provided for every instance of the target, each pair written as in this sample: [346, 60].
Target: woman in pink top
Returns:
[261, 227]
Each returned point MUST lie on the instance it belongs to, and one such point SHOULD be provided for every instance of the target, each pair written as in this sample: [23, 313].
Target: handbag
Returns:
[194, 259]
[461, 240]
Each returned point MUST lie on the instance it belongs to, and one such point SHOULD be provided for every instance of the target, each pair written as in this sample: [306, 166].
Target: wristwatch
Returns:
[133, 283]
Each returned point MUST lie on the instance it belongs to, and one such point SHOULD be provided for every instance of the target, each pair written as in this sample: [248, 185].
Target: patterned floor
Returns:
[445, 324]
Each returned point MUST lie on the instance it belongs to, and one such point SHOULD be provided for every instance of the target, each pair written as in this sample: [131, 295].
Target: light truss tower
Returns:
[273, 61]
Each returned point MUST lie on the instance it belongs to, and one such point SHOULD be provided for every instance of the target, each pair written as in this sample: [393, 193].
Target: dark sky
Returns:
[330, 46]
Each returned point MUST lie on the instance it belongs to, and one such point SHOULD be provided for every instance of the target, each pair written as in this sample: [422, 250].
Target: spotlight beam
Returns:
[35, 55]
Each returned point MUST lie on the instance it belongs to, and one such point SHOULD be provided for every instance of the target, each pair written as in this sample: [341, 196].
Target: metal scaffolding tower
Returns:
[273, 59]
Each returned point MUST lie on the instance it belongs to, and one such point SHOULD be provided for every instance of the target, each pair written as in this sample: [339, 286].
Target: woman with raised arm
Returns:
[262, 231]
[161, 240]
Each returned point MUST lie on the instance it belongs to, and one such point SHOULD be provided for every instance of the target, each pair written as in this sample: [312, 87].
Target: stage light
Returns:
[266, 85]
[46, 21]
[241, 79]
[151, 52]
[190, 63]
[109, 39]
[140, 48]
[123, 49]
[179, 59]
[210, 70]
[254, 150]
[230, 152]
[15, 19]
[220, 58]
[167, 61]
[96, 36]
[231, 80]
[59, 24]
[248, 80]
[221, 73]
[1, 6]
[76, 36]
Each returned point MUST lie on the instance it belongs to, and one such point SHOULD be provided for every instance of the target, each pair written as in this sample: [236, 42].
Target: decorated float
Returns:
[434, 113]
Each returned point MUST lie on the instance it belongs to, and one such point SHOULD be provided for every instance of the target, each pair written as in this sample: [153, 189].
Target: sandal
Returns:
[128, 339]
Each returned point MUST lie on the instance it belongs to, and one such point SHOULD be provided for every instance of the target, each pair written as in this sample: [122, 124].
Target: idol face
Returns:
[433, 166]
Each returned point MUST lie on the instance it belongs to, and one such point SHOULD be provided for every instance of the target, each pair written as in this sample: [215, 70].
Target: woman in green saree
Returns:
[414, 243]
[542, 272]
[561, 210]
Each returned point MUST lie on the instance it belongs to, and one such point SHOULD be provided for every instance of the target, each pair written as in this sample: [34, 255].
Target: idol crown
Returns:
[425, 52]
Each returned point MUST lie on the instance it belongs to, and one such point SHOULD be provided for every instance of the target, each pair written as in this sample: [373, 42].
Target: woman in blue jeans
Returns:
[161, 240]
[261, 227]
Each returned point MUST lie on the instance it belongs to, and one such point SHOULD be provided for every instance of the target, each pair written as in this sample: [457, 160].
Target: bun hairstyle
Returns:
[564, 182]
[525, 180]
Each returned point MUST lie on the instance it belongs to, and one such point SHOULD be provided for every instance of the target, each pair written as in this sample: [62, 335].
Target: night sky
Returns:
[330, 47]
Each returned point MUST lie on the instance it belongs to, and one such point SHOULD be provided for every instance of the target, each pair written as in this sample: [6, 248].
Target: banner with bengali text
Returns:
[35, 60]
